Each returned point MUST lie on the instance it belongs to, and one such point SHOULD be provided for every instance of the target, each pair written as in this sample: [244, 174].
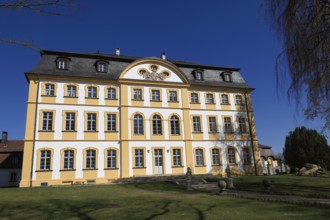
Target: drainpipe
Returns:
[251, 134]
[35, 131]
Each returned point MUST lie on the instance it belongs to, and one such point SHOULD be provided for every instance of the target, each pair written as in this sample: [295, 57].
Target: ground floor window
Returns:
[231, 155]
[177, 157]
[215, 156]
[90, 159]
[199, 157]
[139, 158]
[111, 159]
[13, 177]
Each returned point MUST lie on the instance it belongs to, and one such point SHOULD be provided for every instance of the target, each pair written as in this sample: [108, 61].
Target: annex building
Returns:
[95, 118]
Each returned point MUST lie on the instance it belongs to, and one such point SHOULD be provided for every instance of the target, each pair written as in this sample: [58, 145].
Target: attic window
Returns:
[227, 77]
[198, 75]
[101, 66]
[62, 63]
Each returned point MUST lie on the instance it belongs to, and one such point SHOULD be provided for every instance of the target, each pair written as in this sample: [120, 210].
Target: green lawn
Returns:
[288, 184]
[141, 201]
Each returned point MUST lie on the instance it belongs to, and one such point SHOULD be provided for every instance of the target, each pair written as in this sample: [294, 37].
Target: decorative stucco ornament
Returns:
[153, 75]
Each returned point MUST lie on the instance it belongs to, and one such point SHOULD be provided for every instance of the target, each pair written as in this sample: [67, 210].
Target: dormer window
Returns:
[101, 66]
[198, 75]
[226, 77]
[62, 63]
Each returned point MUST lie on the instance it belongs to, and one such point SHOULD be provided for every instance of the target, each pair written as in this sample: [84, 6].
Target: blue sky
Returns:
[233, 33]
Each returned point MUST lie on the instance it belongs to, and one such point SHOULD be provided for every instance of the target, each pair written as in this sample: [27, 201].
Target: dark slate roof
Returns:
[83, 65]
[12, 146]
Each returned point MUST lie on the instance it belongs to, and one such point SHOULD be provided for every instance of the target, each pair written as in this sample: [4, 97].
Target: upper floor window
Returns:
[157, 125]
[71, 91]
[49, 89]
[70, 121]
[111, 122]
[91, 122]
[47, 121]
[92, 92]
[101, 67]
[138, 124]
[194, 98]
[212, 124]
[62, 63]
[173, 96]
[227, 125]
[137, 94]
[241, 125]
[175, 125]
[209, 99]
[224, 99]
[155, 95]
[197, 124]
[239, 100]
[111, 93]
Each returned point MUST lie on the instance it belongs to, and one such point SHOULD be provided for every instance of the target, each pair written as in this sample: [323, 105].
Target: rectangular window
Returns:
[72, 91]
[111, 93]
[13, 177]
[137, 94]
[199, 157]
[70, 121]
[173, 96]
[102, 67]
[111, 159]
[68, 159]
[91, 122]
[90, 159]
[155, 95]
[231, 155]
[139, 158]
[241, 125]
[246, 156]
[62, 64]
[45, 160]
[49, 89]
[194, 98]
[92, 92]
[224, 99]
[177, 157]
[111, 122]
[209, 99]
[227, 122]
[47, 121]
[215, 156]
[239, 100]
[197, 124]
[212, 124]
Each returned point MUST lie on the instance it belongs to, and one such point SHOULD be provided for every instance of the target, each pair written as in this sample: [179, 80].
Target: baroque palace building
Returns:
[95, 118]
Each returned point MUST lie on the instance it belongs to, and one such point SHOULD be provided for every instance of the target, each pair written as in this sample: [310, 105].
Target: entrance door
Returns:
[158, 161]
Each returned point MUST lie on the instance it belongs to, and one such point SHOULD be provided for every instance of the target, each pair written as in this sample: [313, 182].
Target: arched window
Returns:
[175, 125]
[138, 124]
[157, 125]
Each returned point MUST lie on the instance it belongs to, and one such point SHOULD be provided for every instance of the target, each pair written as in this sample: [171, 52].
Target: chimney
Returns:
[118, 51]
[163, 56]
[4, 138]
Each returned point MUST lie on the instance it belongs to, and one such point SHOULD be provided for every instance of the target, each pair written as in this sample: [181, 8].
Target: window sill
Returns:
[157, 135]
[229, 132]
[155, 100]
[65, 170]
[177, 135]
[111, 99]
[71, 97]
[91, 131]
[138, 134]
[91, 98]
[173, 101]
[111, 168]
[200, 166]
[177, 166]
[44, 171]
[213, 132]
[216, 165]
[141, 100]
[110, 131]
[195, 103]
[210, 103]
[70, 131]
[225, 103]
[197, 132]
[139, 167]
[48, 95]
[46, 131]
[86, 169]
